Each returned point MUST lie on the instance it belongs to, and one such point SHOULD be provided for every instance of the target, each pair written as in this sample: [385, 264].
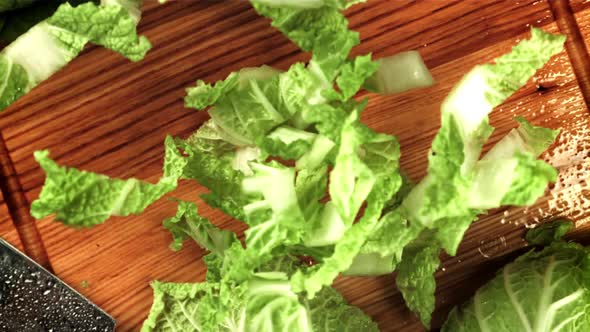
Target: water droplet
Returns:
[488, 248]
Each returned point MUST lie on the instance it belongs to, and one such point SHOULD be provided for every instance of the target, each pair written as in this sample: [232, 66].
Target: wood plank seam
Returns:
[575, 45]
[18, 208]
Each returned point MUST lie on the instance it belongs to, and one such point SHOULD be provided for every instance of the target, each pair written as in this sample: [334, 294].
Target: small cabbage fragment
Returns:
[415, 279]
[272, 306]
[398, 73]
[548, 232]
[354, 178]
[267, 304]
[330, 313]
[217, 165]
[50, 44]
[81, 198]
[459, 186]
[187, 223]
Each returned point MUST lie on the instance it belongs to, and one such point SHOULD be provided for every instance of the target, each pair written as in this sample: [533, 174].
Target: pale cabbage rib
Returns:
[517, 306]
[567, 321]
[552, 310]
[7, 76]
[541, 291]
[547, 310]
[275, 218]
[120, 201]
[546, 297]
[483, 325]
[189, 316]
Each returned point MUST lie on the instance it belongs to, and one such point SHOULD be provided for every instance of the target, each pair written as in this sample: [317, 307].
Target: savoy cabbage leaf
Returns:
[50, 44]
[81, 198]
[546, 290]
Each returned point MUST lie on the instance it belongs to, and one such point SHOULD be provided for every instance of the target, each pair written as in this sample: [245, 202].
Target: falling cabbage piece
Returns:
[285, 153]
[546, 290]
[50, 44]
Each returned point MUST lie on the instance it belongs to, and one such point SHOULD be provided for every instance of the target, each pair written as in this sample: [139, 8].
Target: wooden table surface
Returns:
[105, 114]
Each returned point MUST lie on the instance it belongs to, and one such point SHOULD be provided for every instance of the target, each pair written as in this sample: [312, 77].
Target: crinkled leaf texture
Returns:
[539, 292]
[177, 307]
[549, 232]
[268, 305]
[51, 44]
[459, 185]
[187, 223]
[415, 279]
[81, 198]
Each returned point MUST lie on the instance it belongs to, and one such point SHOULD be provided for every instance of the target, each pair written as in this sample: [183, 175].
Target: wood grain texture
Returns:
[565, 16]
[16, 208]
[104, 114]
[581, 10]
[8, 231]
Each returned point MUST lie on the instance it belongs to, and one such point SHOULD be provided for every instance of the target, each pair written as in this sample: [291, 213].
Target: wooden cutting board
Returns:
[105, 114]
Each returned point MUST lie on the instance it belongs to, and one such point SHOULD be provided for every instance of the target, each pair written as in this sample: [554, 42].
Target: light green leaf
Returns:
[540, 291]
[329, 312]
[214, 163]
[189, 224]
[450, 231]
[310, 186]
[80, 198]
[204, 94]
[416, 282]
[362, 178]
[288, 143]
[276, 218]
[196, 307]
[273, 306]
[391, 235]
[328, 227]
[345, 251]
[511, 169]
[51, 44]
[398, 73]
[519, 180]
[538, 139]
[354, 74]
[320, 152]
[351, 180]
[110, 26]
[308, 27]
[465, 126]
[245, 111]
[176, 306]
[371, 264]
